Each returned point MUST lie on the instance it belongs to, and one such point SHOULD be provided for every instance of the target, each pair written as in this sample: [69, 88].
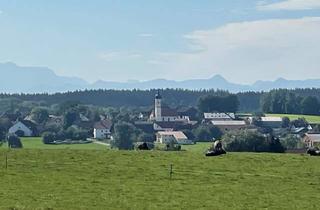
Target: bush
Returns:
[48, 137]
[14, 142]
[292, 142]
[248, 141]
[145, 137]
[207, 133]
[20, 133]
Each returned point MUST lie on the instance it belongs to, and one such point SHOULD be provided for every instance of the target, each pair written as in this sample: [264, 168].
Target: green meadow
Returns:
[69, 178]
[309, 118]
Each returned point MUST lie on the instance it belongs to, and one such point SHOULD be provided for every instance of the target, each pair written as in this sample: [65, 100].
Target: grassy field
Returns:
[97, 179]
[309, 118]
[36, 143]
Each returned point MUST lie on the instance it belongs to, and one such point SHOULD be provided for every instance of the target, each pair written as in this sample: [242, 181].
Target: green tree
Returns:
[249, 141]
[285, 122]
[70, 117]
[48, 137]
[207, 133]
[124, 136]
[213, 103]
[40, 115]
[310, 105]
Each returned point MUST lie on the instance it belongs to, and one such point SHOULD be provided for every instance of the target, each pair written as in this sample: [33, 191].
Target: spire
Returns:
[158, 96]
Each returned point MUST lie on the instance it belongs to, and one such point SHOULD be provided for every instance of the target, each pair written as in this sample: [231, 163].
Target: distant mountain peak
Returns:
[19, 79]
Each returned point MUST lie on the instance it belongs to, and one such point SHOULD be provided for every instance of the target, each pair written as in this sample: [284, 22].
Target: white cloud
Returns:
[117, 55]
[145, 35]
[248, 51]
[290, 5]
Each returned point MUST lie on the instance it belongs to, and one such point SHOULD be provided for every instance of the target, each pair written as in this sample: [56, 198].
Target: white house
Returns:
[24, 126]
[102, 129]
[165, 137]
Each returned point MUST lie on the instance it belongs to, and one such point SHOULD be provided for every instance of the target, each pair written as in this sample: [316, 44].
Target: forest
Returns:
[275, 101]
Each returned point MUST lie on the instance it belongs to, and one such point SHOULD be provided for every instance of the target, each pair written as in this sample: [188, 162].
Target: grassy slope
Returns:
[96, 179]
[309, 118]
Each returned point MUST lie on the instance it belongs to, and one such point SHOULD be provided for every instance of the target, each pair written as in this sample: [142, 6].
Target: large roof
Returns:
[219, 115]
[177, 134]
[103, 124]
[228, 122]
[166, 111]
[271, 119]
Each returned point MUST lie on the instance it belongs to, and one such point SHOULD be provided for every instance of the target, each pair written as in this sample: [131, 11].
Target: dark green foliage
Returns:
[282, 101]
[39, 114]
[299, 123]
[213, 103]
[248, 141]
[20, 133]
[48, 137]
[207, 133]
[310, 106]
[70, 117]
[124, 136]
[292, 142]
[146, 137]
[285, 122]
[14, 142]
[288, 102]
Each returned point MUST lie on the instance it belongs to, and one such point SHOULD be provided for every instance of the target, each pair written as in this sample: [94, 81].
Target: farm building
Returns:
[219, 116]
[165, 137]
[312, 139]
[227, 125]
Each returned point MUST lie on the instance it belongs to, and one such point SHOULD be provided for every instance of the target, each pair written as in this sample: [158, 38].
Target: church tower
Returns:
[157, 107]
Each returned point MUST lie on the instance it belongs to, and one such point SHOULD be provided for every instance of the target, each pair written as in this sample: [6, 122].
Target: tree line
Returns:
[289, 102]
[275, 101]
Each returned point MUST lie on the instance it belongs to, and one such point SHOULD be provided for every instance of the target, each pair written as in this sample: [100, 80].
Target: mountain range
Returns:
[18, 79]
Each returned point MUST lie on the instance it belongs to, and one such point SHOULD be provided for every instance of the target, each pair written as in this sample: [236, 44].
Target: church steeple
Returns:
[157, 106]
[158, 96]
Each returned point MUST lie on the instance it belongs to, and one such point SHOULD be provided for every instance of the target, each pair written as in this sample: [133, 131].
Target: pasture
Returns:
[309, 118]
[110, 179]
[36, 143]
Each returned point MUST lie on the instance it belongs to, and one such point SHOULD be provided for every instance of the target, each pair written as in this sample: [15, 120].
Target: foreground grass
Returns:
[36, 143]
[96, 179]
[309, 118]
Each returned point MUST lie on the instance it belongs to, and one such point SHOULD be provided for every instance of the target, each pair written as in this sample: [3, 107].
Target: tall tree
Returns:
[124, 136]
[310, 105]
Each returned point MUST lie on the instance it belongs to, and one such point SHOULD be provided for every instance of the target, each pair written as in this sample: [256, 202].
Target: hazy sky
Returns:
[119, 40]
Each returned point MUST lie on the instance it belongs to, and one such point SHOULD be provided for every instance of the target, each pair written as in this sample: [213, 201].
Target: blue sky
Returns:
[119, 40]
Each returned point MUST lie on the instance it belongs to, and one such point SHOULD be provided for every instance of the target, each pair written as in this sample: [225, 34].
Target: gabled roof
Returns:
[166, 111]
[103, 124]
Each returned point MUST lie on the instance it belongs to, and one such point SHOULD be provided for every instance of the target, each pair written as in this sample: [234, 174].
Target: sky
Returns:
[121, 40]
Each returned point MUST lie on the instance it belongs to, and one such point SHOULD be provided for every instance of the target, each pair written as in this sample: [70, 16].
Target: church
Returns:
[163, 113]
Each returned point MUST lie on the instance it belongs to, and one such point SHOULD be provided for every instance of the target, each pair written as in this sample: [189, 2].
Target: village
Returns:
[163, 125]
